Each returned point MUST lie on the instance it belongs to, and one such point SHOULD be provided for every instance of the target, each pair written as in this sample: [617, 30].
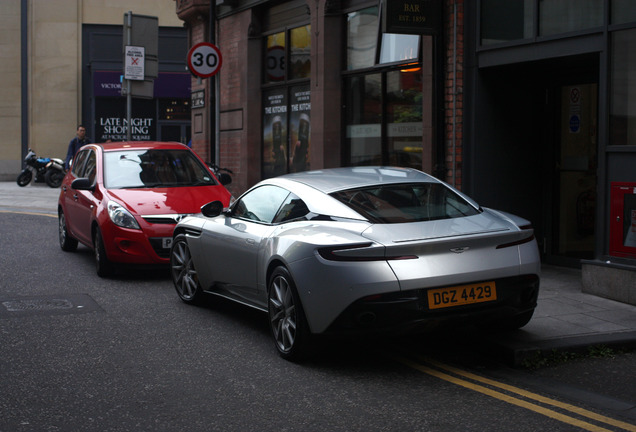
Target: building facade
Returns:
[552, 112]
[527, 106]
[61, 62]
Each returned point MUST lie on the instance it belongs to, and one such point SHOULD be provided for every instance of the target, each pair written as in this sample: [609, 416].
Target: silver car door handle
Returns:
[250, 241]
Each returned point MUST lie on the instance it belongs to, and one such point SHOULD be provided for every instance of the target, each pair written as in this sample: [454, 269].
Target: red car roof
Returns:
[128, 145]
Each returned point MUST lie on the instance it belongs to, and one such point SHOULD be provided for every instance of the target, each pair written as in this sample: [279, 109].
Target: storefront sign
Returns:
[167, 85]
[111, 123]
[198, 99]
[412, 16]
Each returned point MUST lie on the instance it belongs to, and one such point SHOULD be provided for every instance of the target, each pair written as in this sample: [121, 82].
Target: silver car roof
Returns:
[314, 187]
[337, 179]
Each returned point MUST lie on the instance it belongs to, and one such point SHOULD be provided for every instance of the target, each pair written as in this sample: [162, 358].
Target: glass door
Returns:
[576, 172]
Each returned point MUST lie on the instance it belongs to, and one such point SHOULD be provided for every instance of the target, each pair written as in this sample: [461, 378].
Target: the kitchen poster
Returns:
[275, 133]
[300, 107]
[286, 131]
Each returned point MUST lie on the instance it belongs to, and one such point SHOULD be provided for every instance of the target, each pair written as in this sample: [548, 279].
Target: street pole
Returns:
[128, 83]
[213, 145]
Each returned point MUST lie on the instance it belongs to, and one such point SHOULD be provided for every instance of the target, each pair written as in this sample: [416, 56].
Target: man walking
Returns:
[75, 144]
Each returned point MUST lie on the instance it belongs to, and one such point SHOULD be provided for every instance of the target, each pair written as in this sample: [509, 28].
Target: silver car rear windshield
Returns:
[403, 203]
[154, 168]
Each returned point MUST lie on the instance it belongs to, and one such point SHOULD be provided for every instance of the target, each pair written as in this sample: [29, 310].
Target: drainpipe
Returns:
[24, 77]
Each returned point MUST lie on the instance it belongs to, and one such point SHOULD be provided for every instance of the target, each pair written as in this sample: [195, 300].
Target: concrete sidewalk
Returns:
[565, 319]
[36, 197]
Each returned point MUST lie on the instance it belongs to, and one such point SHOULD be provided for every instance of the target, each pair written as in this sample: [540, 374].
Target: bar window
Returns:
[364, 119]
[362, 38]
[399, 48]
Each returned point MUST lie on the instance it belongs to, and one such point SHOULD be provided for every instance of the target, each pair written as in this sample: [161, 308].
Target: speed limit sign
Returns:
[204, 59]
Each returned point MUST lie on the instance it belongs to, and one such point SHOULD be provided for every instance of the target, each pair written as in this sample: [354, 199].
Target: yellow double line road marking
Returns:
[29, 213]
[455, 379]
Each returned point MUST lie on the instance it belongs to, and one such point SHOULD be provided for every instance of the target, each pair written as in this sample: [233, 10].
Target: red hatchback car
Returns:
[124, 199]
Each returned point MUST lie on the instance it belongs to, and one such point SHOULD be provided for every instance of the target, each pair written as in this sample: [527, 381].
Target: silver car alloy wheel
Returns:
[283, 313]
[184, 275]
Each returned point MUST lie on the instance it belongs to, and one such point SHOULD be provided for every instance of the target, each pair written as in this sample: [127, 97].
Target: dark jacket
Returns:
[73, 147]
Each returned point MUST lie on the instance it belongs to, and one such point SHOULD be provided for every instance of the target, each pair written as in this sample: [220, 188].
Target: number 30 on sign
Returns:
[204, 59]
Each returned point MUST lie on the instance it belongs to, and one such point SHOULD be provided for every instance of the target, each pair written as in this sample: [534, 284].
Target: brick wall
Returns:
[454, 88]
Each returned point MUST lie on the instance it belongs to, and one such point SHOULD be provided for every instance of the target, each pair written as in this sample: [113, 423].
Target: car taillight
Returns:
[519, 242]
[358, 252]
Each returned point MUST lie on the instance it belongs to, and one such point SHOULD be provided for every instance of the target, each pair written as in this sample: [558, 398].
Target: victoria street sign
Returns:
[204, 60]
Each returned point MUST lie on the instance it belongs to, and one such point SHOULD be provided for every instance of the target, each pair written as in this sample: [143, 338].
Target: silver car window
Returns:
[401, 203]
[260, 204]
[292, 209]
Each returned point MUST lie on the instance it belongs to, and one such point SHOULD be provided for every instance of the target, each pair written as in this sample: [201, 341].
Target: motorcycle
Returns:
[222, 174]
[49, 170]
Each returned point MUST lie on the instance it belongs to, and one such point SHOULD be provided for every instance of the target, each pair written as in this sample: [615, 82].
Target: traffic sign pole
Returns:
[205, 60]
[214, 147]
[128, 82]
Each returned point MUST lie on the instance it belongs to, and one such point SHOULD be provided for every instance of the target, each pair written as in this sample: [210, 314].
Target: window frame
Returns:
[383, 70]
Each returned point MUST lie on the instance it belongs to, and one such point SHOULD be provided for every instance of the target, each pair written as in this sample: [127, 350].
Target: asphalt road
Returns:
[81, 353]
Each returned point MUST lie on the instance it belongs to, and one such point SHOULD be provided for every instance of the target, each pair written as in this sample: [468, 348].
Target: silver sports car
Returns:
[363, 249]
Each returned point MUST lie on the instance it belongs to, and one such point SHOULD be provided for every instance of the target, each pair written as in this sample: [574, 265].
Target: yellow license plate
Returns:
[462, 295]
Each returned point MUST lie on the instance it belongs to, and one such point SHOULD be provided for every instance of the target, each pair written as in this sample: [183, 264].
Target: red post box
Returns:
[623, 220]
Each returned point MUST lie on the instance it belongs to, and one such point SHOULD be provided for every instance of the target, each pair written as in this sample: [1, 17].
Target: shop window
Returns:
[383, 100]
[562, 16]
[399, 48]
[362, 38]
[277, 58]
[174, 109]
[364, 119]
[286, 102]
[299, 51]
[384, 119]
[286, 130]
[505, 20]
[623, 88]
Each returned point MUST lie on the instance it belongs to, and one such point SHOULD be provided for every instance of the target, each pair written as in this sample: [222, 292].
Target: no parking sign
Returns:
[204, 59]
